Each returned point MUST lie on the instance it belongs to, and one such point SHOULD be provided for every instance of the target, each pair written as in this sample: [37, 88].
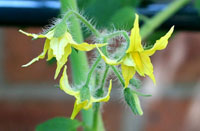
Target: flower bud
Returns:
[133, 101]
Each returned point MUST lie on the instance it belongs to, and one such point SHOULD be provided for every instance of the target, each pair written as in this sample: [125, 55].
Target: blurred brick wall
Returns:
[177, 71]
[20, 49]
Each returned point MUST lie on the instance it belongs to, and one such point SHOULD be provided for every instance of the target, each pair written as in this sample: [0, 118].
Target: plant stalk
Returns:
[79, 63]
[162, 16]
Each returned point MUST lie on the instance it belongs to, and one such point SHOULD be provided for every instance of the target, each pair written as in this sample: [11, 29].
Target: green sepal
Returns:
[51, 61]
[76, 50]
[60, 29]
[141, 94]
[133, 101]
[85, 93]
[34, 38]
[59, 124]
[99, 92]
[136, 83]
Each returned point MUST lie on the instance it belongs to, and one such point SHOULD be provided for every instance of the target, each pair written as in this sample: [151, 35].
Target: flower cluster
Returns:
[136, 59]
[61, 48]
[84, 98]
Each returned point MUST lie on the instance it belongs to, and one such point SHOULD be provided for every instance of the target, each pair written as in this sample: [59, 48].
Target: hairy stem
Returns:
[92, 70]
[83, 20]
[104, 76]
[79, 62]
[118, 75]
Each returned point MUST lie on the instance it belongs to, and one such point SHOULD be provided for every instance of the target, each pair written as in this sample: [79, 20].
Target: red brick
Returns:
[167, 115]
[25, 115]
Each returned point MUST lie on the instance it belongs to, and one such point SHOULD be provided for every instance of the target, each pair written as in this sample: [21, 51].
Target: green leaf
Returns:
[133, 3]
[133, 101]
[123, 18]
[60, 29]
[197, 5]
[59, 124]
[102, 10]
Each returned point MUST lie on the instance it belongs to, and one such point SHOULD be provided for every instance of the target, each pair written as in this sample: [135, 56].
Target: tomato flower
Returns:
[84, 99]
[58, 47]
[136, 58]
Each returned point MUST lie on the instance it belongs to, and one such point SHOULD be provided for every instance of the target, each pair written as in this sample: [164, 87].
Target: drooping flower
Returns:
[58, 47]
[136, 58]
[84, 98]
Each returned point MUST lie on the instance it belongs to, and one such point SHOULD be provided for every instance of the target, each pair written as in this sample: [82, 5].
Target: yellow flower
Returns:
[58, 47]
[84, 99]
[136, 58]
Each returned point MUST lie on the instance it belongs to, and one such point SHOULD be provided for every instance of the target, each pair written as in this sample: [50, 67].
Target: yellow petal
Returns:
[41, 56]
[86, 46]
[77, 107]
[50, 54]
[88, 105]
[127, 73]
[128, 60]
[64, 85]
[138, 62]
[135, 39]
[107, 60]
[69, 37]
[63, 60]
[161, 43]
[105, 98]
[50, 34]
[35, 36]
[58, 46]
[148, 67]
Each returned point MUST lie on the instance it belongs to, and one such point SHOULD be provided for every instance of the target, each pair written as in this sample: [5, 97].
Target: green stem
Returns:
[117, 33]
[97, 119]
[118, 75]
[83, 20]
[157, 20]
[144, 18]
[96, 116]
[92, 70]
[79, 64]
[124, 33]
[104, 76]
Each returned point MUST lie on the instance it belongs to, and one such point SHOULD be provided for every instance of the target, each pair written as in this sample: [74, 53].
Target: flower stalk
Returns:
[79, 63]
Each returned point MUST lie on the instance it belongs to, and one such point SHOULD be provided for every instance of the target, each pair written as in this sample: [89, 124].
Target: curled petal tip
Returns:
[23, 32]
[23, 66]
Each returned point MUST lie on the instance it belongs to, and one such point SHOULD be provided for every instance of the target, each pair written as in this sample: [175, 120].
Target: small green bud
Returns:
[133, 101]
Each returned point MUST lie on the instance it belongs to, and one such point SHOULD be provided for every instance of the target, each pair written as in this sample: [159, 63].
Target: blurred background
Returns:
[29, 96]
